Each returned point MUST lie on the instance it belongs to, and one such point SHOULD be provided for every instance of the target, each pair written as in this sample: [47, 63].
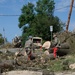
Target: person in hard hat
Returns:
[56, 40]
[28, 44]
[56, 45]
[16, 41]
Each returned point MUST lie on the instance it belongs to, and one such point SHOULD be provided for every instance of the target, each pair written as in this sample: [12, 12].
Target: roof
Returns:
[37, 38]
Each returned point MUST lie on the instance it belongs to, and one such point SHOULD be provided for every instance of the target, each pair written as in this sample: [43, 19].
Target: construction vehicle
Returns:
[37, 42]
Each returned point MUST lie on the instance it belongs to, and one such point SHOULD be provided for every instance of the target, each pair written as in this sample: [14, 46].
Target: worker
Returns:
[28, 44]
[56, 45]
[56, 40]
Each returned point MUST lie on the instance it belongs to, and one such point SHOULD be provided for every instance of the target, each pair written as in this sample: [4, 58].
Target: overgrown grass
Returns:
[55, 65]
[60, 64]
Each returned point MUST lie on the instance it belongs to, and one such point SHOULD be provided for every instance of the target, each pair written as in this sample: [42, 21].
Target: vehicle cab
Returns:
[37, 42]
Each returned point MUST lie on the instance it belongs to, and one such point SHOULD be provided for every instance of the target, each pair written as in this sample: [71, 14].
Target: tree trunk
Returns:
[65, 46]
[62, 52]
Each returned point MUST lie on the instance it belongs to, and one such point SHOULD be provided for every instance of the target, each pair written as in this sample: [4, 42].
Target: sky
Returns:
[13, 7]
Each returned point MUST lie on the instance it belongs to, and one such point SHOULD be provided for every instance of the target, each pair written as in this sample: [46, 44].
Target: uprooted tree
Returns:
[36, 20]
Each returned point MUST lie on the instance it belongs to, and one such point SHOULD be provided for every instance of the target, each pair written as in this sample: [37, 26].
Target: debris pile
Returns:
[41, 59]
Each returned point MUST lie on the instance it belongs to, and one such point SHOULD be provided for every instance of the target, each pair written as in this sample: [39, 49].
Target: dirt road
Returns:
[36, 73]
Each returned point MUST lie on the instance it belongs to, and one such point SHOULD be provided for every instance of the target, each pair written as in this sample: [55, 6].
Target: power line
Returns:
[54, 10]
[62, 7]
[9, 15]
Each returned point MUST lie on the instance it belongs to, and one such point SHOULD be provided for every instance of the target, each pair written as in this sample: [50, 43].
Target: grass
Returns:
[60, 64]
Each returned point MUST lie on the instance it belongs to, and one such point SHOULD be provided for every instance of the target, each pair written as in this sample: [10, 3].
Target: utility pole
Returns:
[69, 16]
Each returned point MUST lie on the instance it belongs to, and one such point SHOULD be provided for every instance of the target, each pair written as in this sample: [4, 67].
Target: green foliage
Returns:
[45, 7]
[36, 20]
[1, 39]
[56, 65]
[27, 14]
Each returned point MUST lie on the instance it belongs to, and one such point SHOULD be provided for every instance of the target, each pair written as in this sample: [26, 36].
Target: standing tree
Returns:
[36, 20]
[1, 39]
